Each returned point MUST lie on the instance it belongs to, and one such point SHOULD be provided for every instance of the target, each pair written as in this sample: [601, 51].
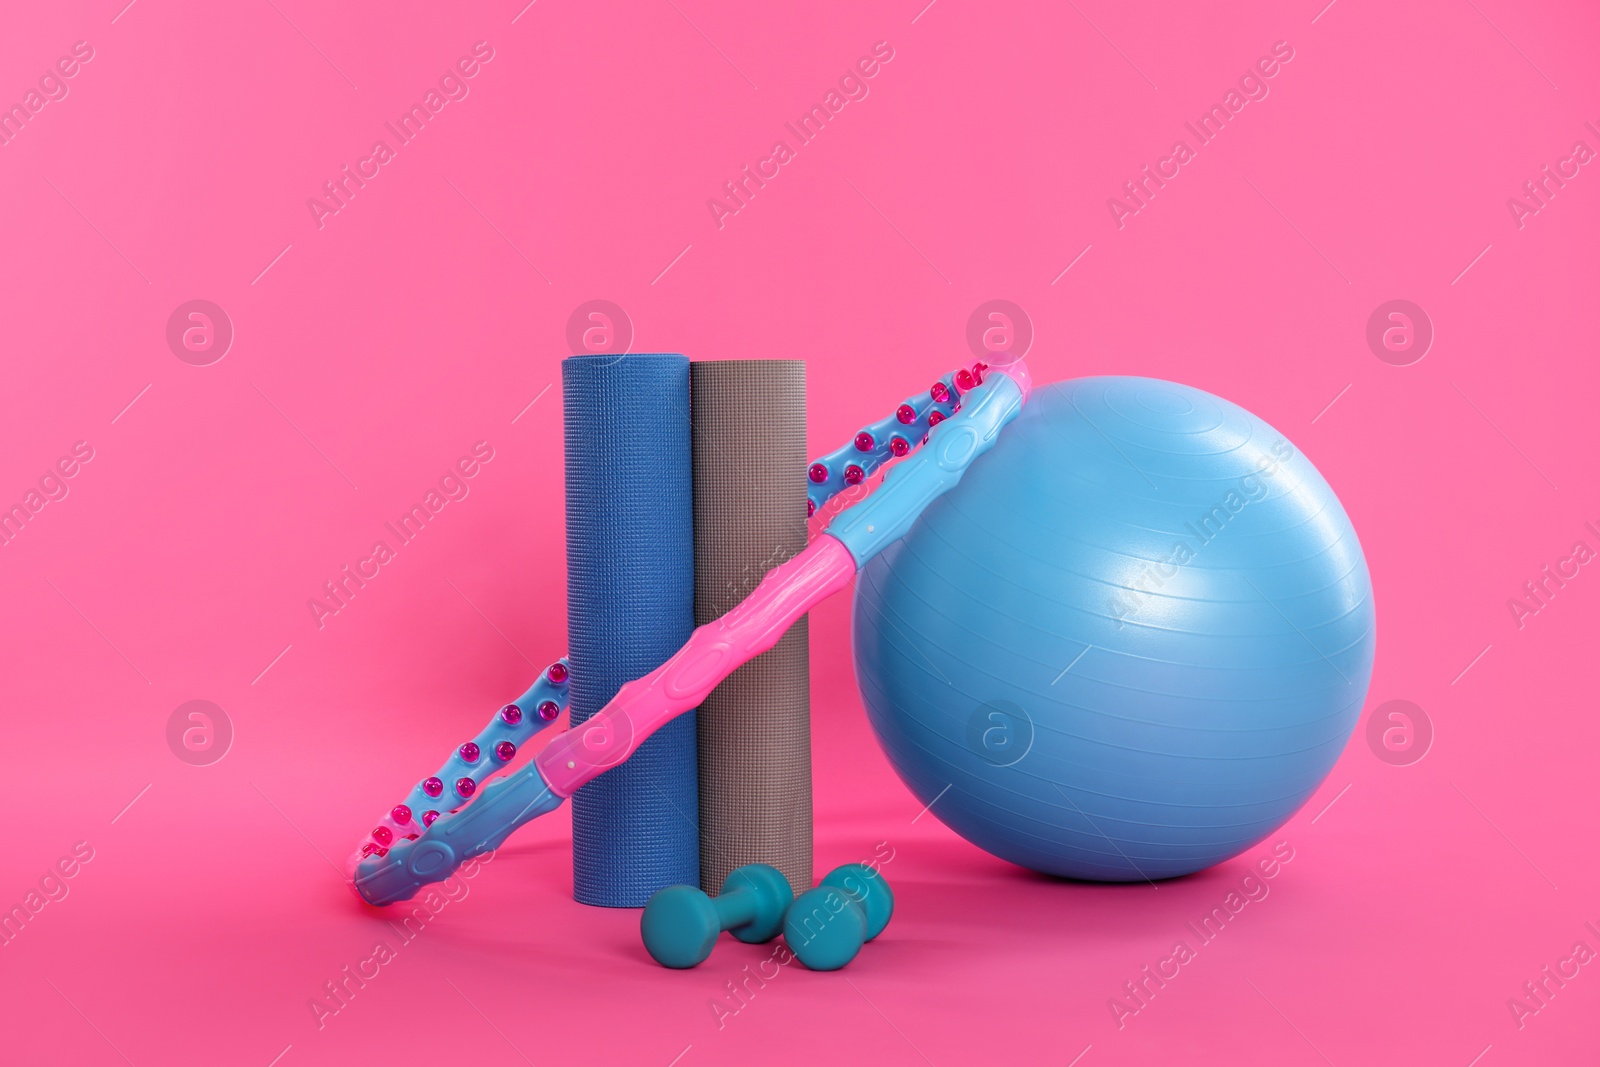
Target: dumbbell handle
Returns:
[718, 648]
[735, 908]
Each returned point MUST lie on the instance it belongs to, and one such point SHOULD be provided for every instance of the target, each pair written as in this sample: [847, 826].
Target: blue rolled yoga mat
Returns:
[630, 605]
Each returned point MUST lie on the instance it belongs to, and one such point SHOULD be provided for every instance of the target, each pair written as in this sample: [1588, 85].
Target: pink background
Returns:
[429, 312]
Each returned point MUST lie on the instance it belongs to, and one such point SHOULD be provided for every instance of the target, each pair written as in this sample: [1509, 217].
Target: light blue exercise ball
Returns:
[1130, 644]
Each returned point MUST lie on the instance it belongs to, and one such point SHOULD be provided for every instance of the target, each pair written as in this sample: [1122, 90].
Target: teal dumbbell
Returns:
[827, 926]
[680, 924]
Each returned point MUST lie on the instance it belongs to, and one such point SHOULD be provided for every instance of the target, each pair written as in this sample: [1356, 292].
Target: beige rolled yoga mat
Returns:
[749, 446]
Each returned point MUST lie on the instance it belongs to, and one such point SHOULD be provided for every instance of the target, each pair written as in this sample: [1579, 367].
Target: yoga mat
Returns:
[630, 605]
[750, 516]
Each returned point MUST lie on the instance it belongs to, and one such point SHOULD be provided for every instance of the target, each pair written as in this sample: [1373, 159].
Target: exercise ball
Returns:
[1129, 644]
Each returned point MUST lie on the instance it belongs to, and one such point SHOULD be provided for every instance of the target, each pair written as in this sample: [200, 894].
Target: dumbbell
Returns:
[825, 927]
[680, 924]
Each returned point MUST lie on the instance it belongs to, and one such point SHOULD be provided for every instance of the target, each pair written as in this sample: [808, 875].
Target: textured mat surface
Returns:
[630, 605]
[750, 516]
